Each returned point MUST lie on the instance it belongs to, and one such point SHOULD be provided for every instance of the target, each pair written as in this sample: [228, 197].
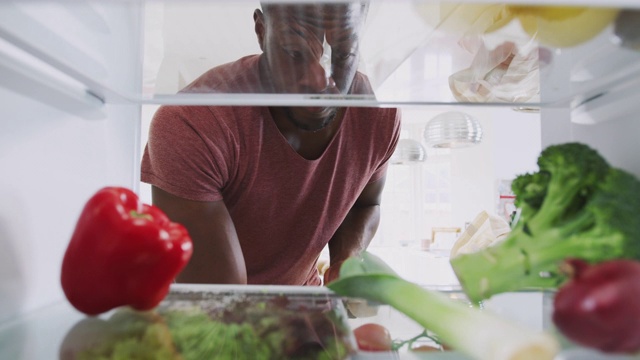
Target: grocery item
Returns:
[478, 334]
[463, 18]
[484, 231]
[233, 325]
[122, 252]
[126, 334]
[563, 26]
[373, 337]
[575, 205]
[599, 308]
[508, 72]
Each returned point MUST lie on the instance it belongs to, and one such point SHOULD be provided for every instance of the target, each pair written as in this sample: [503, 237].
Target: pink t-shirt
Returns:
[285, 208]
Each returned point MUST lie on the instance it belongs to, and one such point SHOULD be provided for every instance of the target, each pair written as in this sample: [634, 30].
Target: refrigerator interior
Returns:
[80, 80]
[59, 141]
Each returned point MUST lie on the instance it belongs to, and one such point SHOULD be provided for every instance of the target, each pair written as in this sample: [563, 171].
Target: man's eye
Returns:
[343, 56]
[294, 54]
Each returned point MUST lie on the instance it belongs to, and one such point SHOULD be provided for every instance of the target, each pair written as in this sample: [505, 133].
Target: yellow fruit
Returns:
[464, 18]
[563, 26]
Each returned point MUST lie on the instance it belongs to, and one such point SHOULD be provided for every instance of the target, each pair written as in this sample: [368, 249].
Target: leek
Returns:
[477, 333]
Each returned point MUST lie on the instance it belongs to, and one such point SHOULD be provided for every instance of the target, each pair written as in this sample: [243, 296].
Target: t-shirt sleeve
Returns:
[391, 141]
[179, 160]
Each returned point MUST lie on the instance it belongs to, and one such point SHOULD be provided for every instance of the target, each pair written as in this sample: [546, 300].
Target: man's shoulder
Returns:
[199, 115]
[239, 76]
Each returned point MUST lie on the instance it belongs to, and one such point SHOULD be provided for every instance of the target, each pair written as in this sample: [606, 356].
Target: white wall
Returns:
[198, 36]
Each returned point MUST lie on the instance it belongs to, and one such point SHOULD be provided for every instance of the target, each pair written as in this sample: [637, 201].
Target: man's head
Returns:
[310, 48]
[294, 39]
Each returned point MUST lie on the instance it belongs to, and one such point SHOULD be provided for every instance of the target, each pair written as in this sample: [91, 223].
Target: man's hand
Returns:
[332, 273]
[357, 229]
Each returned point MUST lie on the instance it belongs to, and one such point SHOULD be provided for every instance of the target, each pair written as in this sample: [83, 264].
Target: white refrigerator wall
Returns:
[606, 117]
[616, 138]
[52, 160]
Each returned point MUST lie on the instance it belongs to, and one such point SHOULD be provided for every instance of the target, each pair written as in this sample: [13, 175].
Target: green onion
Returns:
[477, 333]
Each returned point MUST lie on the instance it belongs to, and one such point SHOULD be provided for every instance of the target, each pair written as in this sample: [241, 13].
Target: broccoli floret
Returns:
[576, 205]
[574, 172]
[616, 207]
[531, 190]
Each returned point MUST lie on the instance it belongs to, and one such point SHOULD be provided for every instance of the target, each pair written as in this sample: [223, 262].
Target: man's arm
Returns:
[217, 257]
[357, 229]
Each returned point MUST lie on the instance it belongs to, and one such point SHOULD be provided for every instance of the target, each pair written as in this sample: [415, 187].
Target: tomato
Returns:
[373, 337]
[425, 348]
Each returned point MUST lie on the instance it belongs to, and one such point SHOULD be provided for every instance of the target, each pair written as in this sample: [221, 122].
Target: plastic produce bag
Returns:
[485, 230]
[505, 73]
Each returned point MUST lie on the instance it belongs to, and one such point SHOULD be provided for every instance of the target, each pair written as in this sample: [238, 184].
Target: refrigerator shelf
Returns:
[411, 56]
[43, 334]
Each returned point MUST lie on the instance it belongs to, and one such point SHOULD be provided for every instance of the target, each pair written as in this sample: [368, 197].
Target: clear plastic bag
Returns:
[505, 73]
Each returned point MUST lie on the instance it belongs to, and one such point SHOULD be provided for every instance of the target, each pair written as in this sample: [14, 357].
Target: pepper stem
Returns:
[138, 215]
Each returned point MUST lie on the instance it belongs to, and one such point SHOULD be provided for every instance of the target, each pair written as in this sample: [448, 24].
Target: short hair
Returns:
[268, 6]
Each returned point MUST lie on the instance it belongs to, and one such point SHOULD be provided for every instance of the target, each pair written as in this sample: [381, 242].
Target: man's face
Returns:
[293, 41]
[310, 49]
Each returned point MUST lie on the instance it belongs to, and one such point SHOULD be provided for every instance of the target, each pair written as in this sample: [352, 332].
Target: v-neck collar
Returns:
[273, 127]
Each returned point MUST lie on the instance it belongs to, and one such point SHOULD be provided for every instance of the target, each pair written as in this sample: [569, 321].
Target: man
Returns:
[262, 190]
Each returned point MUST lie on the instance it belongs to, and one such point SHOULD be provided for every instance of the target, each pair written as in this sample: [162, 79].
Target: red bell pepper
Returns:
[122, 252]
[598, 307]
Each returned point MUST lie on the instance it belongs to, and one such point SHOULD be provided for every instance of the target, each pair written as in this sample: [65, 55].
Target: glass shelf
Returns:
[413, 52]
[43, 333]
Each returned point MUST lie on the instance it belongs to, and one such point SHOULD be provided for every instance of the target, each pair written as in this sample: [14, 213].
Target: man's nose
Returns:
[316, 79]
[319, 77]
